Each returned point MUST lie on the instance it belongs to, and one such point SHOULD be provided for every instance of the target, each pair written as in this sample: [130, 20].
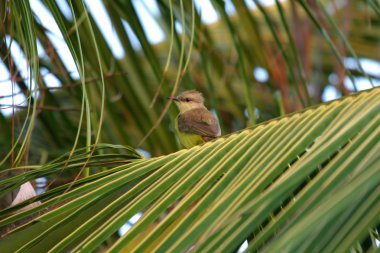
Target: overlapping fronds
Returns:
[306, 182]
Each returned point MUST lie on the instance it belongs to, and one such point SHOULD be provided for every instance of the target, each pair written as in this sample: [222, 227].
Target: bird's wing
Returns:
[199, 121]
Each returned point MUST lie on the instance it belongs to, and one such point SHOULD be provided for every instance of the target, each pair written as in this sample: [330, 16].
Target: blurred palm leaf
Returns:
[216, 67]
[303, 181]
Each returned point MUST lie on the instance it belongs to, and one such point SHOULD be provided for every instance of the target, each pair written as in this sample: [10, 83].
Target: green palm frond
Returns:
[305, 182]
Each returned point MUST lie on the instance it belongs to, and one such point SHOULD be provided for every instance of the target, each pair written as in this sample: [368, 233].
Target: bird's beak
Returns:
[173, 98]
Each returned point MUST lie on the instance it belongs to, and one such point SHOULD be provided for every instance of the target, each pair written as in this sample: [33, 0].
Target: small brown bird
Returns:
[194, 124]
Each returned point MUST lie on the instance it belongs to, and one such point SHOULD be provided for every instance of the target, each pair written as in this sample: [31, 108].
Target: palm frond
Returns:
[287, 184]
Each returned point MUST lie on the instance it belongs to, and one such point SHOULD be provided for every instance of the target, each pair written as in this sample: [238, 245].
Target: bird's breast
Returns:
[188, 139]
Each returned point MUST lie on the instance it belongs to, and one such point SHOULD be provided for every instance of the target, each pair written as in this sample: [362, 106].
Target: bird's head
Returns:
[188, 100]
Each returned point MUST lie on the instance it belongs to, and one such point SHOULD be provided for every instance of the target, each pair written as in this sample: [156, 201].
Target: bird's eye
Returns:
[187, 99]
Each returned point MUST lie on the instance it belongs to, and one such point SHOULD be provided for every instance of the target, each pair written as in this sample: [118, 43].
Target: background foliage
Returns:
[299, 45]
[305, 47]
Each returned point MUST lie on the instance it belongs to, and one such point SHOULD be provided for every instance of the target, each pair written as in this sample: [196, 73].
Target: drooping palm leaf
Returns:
[224, 55]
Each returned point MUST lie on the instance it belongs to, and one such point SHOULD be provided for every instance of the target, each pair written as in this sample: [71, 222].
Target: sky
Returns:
[146, 10]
